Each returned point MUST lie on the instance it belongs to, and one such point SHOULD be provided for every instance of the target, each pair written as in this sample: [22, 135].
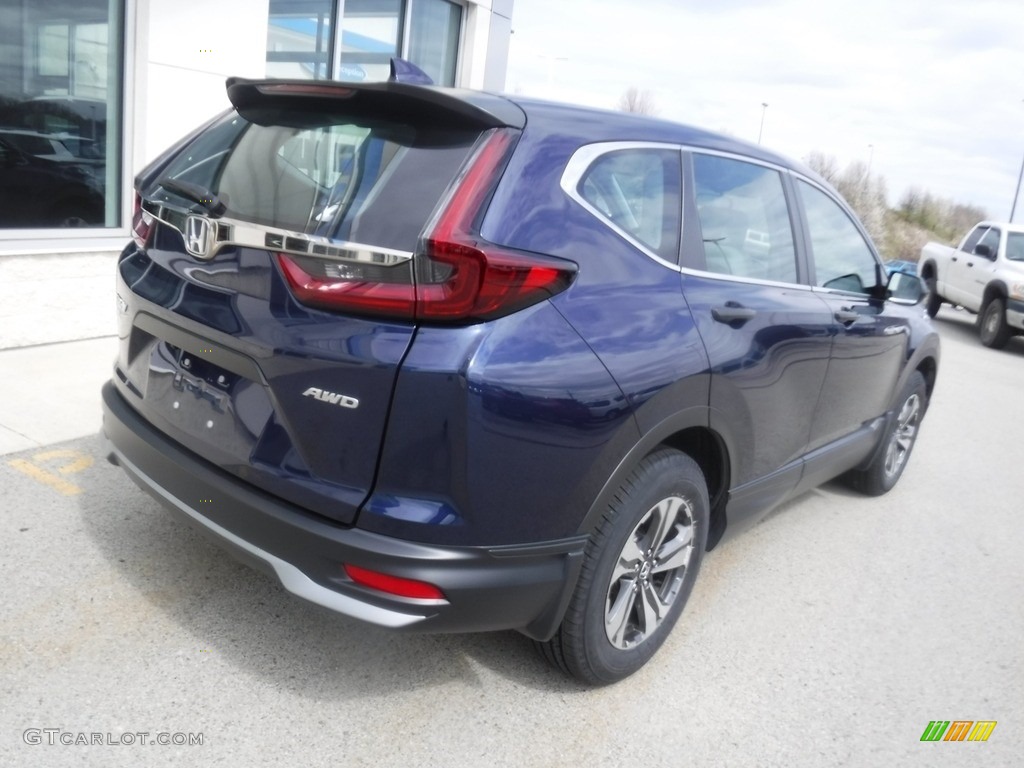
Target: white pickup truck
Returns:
[984, 274]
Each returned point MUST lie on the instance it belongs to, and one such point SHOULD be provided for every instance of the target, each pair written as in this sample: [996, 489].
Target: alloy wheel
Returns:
[903, 435]
[649, 572]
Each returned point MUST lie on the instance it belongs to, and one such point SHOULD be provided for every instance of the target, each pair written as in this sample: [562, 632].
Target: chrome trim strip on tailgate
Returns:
[224, 232]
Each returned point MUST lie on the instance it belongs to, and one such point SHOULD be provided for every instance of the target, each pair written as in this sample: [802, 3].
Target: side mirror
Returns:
[983, 250]
[905, 288]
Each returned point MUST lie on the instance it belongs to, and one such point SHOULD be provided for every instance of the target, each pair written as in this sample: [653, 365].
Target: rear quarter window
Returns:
[638, 190]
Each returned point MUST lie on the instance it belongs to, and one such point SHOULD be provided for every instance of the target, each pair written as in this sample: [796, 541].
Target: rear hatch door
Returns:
[301, 182]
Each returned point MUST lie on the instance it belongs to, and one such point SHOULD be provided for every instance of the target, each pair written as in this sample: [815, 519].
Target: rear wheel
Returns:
[638, 571]
[887, 467]
[992, 327]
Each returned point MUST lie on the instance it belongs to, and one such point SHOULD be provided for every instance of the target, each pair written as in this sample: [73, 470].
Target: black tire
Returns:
[992, 327]
[885, 470]
[625, 603]
[932, 301]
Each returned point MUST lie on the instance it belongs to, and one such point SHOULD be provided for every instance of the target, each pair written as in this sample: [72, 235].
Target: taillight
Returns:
[351, 287]
[393, 585]
[142, 223]
[457, 276]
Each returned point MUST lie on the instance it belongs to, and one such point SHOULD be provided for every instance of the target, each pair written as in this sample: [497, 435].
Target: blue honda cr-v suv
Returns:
[450, 361]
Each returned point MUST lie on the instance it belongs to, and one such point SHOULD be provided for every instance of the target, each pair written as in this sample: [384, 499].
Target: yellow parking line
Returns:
[79, 461]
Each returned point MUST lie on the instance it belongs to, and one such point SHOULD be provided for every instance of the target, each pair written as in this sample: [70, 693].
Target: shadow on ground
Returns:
[227, 608]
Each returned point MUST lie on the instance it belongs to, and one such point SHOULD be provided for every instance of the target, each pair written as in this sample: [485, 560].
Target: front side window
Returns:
[60, 107]
[974, 238]
[638, 190]
[744, 219]
[842, 258]
[991, 239]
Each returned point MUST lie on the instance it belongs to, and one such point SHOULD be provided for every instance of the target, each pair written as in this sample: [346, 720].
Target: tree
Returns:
[823, 165]
[638, 101]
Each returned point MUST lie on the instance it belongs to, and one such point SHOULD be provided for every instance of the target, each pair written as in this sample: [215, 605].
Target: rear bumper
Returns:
[523, 587]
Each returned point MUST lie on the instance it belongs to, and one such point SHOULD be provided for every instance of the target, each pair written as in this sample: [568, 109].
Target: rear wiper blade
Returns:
[212, 204]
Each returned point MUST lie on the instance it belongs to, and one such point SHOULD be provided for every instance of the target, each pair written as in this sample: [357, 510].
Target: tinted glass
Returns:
[60, 107]
[744, 219]
[843, 260]
[973, 238]
[991, 239]
[1015, 246]
[364, 181]
[638, 190]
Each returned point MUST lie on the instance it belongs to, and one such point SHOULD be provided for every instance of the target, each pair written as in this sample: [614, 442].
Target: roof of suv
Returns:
[492, 110]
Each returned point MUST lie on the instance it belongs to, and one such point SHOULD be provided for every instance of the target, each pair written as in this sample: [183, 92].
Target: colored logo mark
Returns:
[958, 730]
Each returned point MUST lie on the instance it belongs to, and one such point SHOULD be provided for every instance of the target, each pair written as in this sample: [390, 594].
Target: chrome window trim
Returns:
[581, 161]
[746, 280]
[583, 157]
[227, 232]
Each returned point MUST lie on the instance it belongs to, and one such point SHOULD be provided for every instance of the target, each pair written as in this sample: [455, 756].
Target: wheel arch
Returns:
[687, 432]
[994, 290]
[928, 271]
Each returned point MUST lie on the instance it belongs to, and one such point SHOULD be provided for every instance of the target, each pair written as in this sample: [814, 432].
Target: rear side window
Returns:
[638, 190]
[744, 219]
[327, 175]
[1015, 246]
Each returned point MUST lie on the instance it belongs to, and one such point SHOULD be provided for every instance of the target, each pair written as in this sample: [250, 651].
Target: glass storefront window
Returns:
[60, 106]
[369, 38]
[302, 35]
[434, 38]
[299, 38]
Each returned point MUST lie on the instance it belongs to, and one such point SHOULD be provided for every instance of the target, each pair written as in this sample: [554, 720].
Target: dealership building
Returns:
[92, 90]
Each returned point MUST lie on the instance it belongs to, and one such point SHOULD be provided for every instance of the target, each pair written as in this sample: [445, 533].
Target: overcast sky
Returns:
[931, 92]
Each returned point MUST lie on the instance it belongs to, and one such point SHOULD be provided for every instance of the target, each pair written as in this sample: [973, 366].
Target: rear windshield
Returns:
[360, 181]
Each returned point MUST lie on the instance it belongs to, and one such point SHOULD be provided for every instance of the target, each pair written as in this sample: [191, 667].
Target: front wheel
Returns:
[638, 571]
[993, 329]
[887, 466]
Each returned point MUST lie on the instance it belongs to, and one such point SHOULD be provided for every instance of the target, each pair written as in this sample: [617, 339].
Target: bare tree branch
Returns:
[638, 101]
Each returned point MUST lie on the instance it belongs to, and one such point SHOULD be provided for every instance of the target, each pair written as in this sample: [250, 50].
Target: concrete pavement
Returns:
[831, 634]
[57, 346]
[51, 392]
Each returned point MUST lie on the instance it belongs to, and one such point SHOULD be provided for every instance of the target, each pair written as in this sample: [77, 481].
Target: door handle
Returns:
[970, 263]
[846, 316]
[952, 258]
[732, 312]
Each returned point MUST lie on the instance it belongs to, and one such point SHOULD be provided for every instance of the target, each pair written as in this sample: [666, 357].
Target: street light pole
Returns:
[1016, 194]
[760, 131]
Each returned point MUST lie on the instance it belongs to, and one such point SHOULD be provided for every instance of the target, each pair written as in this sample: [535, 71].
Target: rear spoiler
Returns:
[256, 100]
